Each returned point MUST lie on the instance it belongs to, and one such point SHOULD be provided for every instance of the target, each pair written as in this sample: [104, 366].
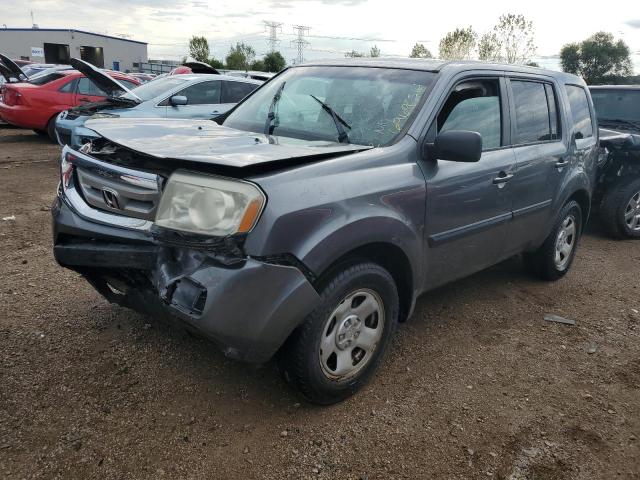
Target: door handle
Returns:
[502, 178]
[562, 163]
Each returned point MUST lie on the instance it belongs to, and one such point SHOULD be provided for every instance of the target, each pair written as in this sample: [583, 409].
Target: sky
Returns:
[335, 26]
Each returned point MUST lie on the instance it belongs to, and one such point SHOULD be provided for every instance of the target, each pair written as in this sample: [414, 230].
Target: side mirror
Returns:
[178, 100]
[458, 146]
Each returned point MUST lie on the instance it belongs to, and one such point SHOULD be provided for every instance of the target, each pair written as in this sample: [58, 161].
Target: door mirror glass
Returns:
[458, 146]
[178, 100]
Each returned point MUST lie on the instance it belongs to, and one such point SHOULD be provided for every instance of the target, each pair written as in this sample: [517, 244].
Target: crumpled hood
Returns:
[206, 141]
[619, 140]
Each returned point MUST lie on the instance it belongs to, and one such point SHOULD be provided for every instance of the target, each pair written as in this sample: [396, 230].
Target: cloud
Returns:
[297, 3]
[633, 23]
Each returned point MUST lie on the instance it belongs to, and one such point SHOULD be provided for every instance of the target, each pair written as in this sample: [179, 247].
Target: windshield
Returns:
[154, 88]
[616, 104]
[375, 103]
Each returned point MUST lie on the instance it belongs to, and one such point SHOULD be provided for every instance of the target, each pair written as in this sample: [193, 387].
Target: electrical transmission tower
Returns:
[301, 31]
[273, 28]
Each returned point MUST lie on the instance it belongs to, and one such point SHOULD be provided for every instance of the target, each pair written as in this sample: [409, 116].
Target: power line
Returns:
[273, 28]
[300, 41]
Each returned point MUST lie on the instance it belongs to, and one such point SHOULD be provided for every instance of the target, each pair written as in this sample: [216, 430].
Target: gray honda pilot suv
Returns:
[304, 223]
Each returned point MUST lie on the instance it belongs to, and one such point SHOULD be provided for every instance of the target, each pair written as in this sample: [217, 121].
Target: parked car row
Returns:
[45, 102]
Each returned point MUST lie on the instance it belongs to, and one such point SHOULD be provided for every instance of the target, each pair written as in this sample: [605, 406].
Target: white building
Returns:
[54, 45]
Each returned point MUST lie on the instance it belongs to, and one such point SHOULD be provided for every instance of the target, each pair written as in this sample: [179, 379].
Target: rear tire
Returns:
[620, 210]
[340, 344]
[553, 259]
[51, 129]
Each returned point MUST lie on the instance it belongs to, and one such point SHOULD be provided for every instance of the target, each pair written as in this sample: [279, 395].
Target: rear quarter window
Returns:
[580, 111]
[44, 79]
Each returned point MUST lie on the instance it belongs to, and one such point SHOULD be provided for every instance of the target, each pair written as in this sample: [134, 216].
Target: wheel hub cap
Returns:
[632, 213]
[348, 332]
[351, 334]
[565, 242]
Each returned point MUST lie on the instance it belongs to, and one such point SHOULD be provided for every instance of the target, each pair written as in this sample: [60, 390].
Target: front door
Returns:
[469, 204]
[203, 100]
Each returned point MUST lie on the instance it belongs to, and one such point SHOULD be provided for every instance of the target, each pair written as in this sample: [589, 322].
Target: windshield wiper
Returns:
[618, 121]
[128, 101]
[268, 129]
[343, 137]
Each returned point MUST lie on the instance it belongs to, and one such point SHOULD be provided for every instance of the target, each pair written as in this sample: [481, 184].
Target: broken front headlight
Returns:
[209, 205]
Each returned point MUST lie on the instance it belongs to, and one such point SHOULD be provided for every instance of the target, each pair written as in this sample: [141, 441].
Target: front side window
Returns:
[371, 105]
[474, 106]
[533, 119]
[202, 93]
[582, 124]
[233, 92]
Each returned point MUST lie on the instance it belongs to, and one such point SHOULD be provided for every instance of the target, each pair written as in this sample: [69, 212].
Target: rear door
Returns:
[203, 99]
[469, 204]
[542, 157]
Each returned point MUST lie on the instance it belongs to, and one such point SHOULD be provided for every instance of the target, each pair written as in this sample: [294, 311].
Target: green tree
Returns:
[258, 65]
[215, 63]
[420, 51]
[517, 38]
[374, 52]
[458, 45]
[199, 49]
[274, 62]
[240, 57]
[490, 47]
[599, 59]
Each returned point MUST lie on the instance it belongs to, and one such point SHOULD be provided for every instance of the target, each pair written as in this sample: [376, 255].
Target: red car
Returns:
[37, 102]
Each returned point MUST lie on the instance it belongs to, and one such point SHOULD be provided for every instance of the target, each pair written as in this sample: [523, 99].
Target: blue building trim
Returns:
[70, 30]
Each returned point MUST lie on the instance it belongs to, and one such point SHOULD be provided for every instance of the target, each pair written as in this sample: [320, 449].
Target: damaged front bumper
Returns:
[248, 306]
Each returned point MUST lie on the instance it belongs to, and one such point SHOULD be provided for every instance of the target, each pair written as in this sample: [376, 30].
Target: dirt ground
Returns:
[477, 384]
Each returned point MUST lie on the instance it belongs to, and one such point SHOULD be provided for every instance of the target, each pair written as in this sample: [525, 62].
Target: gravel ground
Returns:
[477, 384]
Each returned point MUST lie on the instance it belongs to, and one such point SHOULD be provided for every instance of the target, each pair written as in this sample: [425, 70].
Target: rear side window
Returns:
[580, 112]
[87, 87]
[235, 91]
[202, 93]
[536, 117]
[68, 87]
[474, 106]
[44, 79]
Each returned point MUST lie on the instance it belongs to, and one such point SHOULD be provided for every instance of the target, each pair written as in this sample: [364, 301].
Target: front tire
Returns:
[340, 344]
[620, 210]
[553, 259]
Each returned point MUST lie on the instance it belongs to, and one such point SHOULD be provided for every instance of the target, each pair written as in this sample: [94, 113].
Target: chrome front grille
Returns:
[109, 193]
[118, 194]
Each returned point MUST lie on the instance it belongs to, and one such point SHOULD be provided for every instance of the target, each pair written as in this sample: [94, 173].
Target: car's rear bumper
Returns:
[248, 306]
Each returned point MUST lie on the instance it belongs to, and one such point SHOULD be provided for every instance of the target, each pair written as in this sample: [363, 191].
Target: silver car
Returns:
[190, 96]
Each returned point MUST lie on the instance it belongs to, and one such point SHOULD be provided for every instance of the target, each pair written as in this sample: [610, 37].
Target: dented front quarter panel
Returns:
[322, 211]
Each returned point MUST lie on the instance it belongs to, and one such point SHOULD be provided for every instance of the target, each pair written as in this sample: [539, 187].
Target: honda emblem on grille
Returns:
[110, 198]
